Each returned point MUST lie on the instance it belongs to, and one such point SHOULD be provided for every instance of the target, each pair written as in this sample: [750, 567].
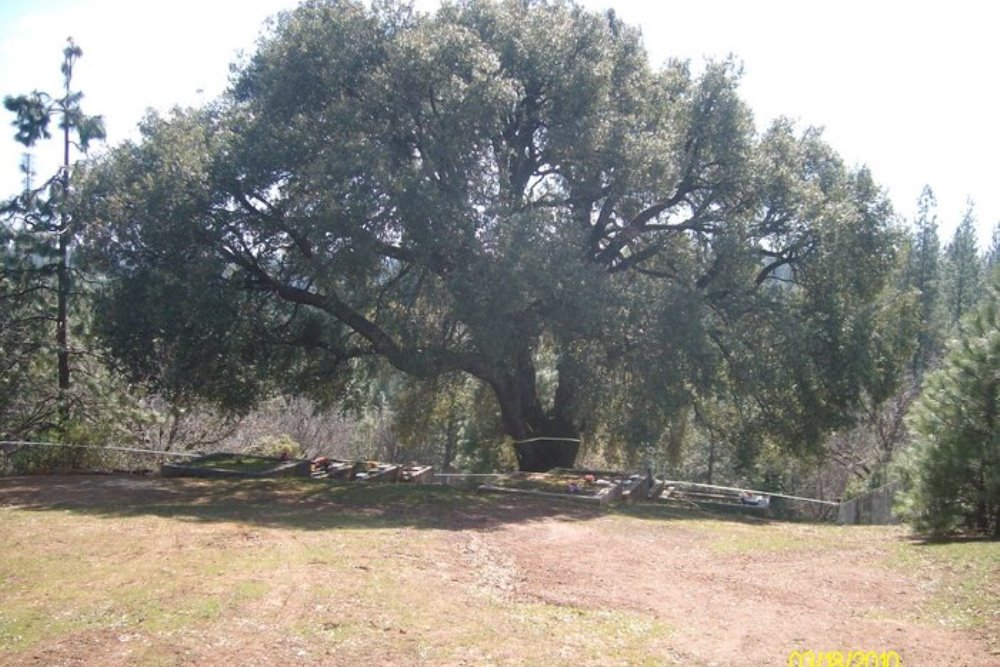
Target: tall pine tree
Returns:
[963, 277]
[40, 220]
[924, 275]
[993, 252]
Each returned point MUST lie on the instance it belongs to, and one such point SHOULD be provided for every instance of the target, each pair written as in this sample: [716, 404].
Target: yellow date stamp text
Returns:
[844, 659]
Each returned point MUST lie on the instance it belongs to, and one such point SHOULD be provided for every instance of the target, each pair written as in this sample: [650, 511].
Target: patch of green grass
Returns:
[583, 634]
[748, 537]
[763, 540]
[65, 574]
[963, 579]
[236, 463]
[23, 627]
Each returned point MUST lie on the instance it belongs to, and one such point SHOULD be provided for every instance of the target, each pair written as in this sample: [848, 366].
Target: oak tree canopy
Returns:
[502, 189]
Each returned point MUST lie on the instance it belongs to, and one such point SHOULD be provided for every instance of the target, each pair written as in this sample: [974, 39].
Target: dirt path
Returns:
[731, 604]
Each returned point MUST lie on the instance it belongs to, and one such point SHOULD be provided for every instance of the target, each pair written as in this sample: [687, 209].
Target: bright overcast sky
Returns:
[908, 88]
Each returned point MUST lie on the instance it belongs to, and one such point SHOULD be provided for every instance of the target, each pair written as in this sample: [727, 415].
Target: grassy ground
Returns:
[236, 463]
[112, 571]
[963, 578]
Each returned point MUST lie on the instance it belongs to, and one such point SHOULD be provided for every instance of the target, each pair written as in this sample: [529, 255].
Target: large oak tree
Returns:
[506, 190]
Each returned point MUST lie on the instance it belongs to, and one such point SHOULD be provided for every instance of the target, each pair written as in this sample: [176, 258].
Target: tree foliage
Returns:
[37, 230]
[993, 252]
[505, 190]
[952, 472]
[26, 399]
[963, 279]
[924, 275]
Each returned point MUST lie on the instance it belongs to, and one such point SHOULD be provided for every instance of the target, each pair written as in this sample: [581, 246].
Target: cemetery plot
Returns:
[321, 467]
[237, 465]
[327, 468]
[373, 471]
[596, 486]
[417, 474]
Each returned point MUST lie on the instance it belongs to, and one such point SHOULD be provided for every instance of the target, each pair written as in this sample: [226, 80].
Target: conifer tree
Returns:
[993, 252]
[951, 474]
[39, 220]
[924, 275]
[963, 270]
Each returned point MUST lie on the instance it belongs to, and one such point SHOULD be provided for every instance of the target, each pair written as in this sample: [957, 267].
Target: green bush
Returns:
[34, 460]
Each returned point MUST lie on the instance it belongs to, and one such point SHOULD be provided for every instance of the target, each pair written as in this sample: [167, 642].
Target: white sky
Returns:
[908, 88]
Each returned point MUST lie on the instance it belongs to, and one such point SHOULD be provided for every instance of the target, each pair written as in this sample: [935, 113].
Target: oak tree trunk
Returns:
[543, 439]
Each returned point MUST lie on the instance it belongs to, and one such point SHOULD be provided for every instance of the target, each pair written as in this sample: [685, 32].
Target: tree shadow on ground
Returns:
[931, 540]
[315, 505]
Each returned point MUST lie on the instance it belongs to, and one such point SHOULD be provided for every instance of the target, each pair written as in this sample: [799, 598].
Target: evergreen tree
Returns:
[39, 221]
[993, 253]
[963, 277]
[951, 474]
[923, 274]
[26, 400]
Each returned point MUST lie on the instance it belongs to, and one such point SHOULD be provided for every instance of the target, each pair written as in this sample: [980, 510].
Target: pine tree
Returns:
[993, 254]
[42, 215]
[963, 269]
[951, 475]
[924, 275]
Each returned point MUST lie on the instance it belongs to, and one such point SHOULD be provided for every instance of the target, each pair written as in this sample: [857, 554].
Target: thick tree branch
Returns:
[611, 253]
[418, 362]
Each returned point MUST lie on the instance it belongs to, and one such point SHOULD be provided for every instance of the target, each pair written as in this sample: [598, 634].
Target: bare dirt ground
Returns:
[122, 571]
[741, 605]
